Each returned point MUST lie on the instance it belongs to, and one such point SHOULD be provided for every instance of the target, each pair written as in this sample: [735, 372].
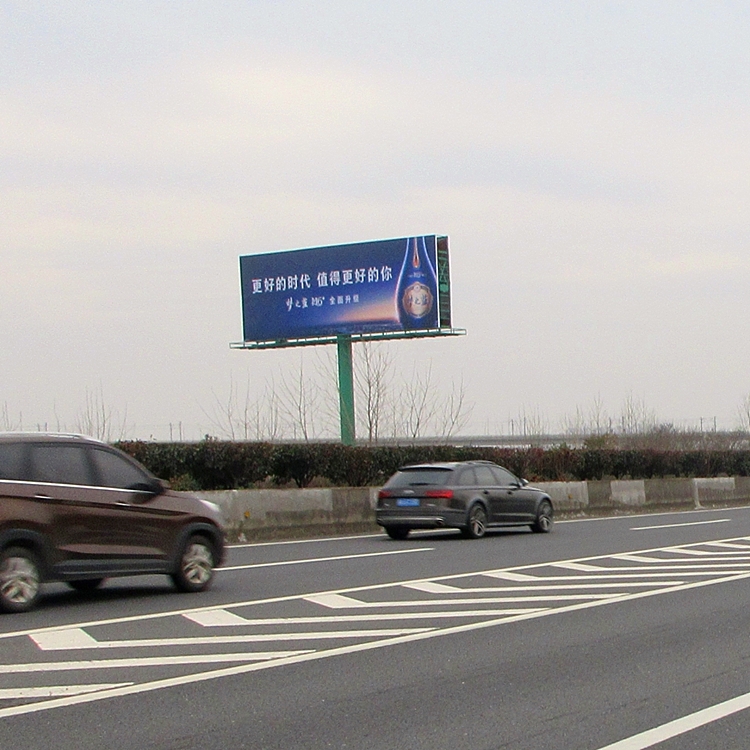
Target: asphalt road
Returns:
[620, 633]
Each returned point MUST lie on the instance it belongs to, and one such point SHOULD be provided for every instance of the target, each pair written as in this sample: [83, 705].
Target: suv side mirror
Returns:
[153, 487]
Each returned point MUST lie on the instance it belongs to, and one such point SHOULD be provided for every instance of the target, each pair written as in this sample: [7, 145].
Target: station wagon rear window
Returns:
[419, 477]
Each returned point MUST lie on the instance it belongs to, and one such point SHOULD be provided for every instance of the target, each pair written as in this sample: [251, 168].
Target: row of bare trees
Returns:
[96, 419]
[303, 404]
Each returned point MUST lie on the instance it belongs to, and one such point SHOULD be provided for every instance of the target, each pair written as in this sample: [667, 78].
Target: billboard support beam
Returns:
[346, 389]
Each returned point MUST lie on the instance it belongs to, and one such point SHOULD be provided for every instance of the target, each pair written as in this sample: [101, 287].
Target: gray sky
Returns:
[590, 162]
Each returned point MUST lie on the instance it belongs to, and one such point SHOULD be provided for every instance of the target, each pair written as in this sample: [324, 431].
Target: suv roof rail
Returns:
[47, 434]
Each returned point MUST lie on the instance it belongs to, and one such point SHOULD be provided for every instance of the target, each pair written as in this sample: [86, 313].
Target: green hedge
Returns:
[217, 465]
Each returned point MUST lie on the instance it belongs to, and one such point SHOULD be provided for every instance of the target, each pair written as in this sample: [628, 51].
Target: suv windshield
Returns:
[412, 477]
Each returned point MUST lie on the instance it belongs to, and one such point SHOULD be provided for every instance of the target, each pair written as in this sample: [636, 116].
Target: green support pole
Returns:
[346, 389]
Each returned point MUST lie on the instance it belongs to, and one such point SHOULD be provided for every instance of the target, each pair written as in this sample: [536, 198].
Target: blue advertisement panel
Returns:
[366, 287]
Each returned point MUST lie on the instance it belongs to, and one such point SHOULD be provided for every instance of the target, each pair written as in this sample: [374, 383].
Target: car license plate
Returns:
[407, 502]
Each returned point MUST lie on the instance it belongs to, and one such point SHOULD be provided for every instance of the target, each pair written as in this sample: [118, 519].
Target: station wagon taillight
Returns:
[442, 494]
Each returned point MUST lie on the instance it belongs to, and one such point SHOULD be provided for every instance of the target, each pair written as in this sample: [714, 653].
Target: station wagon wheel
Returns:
[20, 580]
[195, 568]
[477, 523]
[397, 532]
[86, 585]
[543, 522]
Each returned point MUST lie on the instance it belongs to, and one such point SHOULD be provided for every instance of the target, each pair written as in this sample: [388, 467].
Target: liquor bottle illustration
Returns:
[417, 287]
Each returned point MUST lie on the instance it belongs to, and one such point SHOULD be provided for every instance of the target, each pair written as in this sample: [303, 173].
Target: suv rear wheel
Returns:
[196, 565]
[477, 523]
[20, 579]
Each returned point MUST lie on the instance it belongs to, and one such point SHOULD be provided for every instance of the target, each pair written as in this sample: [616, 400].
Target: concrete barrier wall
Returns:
[264, 514]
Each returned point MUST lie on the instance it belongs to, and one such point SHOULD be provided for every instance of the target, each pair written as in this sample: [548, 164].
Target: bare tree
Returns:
[635, 417]
[98, 420]
[743, 414]
[455, 412]
[7, 423]
[417, 405]
[223, 414]
[239, 416]
[328, 409]
[299, 400]
[530, 422]
[593, 421]
[575, 426]
[600, 423]
[266, 416]
[373, 374]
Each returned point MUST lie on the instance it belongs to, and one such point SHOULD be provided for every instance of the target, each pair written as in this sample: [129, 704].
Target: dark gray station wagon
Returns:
[77, 510]
[470, 495]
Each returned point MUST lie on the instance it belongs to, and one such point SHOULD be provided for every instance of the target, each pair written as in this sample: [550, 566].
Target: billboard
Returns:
[367, 287]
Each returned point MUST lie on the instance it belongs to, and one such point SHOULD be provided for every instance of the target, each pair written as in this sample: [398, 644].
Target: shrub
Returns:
[214, 464]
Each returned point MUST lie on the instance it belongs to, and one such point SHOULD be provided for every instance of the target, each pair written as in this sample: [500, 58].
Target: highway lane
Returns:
[601, 631]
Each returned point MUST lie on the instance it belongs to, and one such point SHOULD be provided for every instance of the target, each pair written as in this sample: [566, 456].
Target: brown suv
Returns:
[77, 510]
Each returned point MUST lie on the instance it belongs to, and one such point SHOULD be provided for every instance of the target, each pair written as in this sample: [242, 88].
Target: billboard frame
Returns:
[354, 337]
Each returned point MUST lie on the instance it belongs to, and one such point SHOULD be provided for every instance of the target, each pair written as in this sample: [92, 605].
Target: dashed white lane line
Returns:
[683, 725]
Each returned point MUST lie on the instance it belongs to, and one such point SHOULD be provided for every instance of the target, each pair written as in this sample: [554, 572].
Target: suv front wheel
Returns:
[196, 565]
[20, 580]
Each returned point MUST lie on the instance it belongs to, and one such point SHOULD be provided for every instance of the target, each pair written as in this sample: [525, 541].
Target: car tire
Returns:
[195, 567]
[85, 585]
[543, 522]
[397, 532]
[20, 580]
[477, 524]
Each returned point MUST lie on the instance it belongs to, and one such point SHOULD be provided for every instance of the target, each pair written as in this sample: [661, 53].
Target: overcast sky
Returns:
[590, 162]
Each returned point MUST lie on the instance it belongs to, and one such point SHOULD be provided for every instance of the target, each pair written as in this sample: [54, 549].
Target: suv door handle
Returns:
[42, 497]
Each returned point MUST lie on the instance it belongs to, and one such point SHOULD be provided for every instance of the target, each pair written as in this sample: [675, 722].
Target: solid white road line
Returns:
[713, 554]
[585, 567]
[661, 564]
[651, 573]
[308, 560]
[339, 601]
[144, 661]
[567, 586]
[206, 621]
[54, 691]
[680, 726]
[76, 639]
[680, 525]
